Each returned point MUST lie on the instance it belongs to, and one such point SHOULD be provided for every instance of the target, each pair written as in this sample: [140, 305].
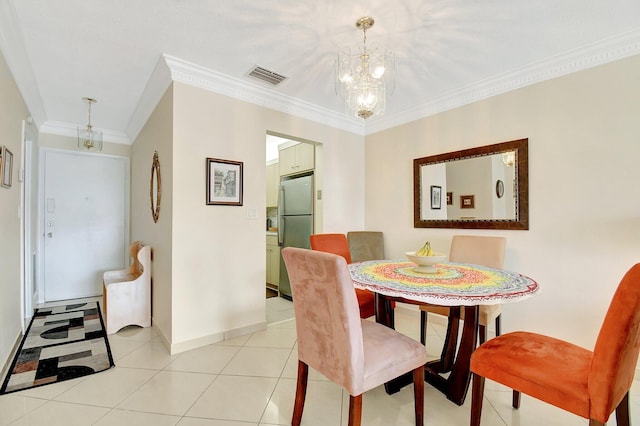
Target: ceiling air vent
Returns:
[266, 76]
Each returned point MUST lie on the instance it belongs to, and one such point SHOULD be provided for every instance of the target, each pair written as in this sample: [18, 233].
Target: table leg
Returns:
[384, 313]
[456, 385]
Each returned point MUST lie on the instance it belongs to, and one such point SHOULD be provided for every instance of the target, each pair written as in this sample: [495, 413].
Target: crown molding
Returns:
[14, 52]
[170, 68]
[589, 56]
[71, 130]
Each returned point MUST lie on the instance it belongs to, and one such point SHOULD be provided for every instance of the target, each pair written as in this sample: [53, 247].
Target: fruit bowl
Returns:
[426, 264]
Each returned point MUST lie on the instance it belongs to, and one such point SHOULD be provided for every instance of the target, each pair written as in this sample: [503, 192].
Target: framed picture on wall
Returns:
[436, 197]
[449, 198]
[6, 167]
[224, 182]
[467, 202]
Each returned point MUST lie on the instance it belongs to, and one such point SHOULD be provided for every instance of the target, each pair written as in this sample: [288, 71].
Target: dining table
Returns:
[457, 285]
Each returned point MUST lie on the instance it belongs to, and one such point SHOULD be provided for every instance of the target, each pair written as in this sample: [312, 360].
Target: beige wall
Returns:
[13, 111]
[583, 173]
[217, 264]
[157, 135]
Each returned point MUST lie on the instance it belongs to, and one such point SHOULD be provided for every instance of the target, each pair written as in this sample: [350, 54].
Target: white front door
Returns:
[85, 222]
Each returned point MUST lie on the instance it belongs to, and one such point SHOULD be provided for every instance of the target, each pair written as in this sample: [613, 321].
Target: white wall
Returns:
[583, 132]
[156, 135]
[13, 111]
[213, 280]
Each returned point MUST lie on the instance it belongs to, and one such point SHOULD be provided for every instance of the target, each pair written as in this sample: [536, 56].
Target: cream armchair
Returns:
[127, 292]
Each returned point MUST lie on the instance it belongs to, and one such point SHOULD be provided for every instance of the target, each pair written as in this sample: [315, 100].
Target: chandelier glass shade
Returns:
[89, 139]
[365, 76]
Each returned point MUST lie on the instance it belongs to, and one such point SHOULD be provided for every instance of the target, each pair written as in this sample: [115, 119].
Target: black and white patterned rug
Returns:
[61, 343]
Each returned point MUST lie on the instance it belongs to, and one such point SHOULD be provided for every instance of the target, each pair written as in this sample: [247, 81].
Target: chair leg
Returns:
[301, 393]
[515, 399]
[482, 333]
[355, 410]
[498, 323]
[423, 327]
[595, 423]
[622, 412]
[418, 394]
[477, 394]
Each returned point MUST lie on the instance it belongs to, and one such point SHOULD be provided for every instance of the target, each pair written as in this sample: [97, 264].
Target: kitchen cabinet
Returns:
[273, 261]
[273, 181]
[297, 158]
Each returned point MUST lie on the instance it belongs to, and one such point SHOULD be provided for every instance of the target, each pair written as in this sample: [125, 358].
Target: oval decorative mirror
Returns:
[156, 187]
[487, 188]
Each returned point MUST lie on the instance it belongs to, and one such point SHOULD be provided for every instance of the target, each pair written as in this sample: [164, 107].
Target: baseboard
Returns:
[6, 364]
[187, 345]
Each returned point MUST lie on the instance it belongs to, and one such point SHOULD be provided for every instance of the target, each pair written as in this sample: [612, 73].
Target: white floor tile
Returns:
[264, 362]
[14, 406]
[209, 359]
[192, 421]
[54, 413]
[107, 389]
[151, 355]
[273, 337]
[133, 418]
[168, 392]
[235, 398]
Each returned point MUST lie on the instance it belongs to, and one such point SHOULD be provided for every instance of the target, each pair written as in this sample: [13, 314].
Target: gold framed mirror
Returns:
[495, 177]
[155, 190]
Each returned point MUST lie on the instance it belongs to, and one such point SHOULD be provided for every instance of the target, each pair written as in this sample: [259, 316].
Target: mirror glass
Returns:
[481, 188]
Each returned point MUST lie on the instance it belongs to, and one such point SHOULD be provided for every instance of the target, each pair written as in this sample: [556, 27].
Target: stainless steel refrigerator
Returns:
[295, 220]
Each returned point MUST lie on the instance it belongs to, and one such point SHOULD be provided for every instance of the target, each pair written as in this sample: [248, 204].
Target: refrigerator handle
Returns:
[281, 230]
[280, 216]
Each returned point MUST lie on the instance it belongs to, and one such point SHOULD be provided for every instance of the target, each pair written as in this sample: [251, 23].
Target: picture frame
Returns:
[449, 198]
[436, 197]
[6, 167]
[224, 182]
[467, 201]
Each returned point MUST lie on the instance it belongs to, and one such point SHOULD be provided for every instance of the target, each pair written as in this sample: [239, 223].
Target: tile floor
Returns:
[249, 380]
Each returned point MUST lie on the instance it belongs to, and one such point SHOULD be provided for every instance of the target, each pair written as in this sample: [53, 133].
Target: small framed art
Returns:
[467, 201]
[224, 182]
[6, 167]
[436, 197]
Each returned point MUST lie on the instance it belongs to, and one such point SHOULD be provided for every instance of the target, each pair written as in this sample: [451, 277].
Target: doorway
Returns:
[84, 219]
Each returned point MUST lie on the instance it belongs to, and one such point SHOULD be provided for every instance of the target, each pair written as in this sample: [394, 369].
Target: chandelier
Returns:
[88, 138]
[365, 76]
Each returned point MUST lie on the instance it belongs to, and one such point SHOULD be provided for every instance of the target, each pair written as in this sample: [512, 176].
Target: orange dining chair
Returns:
[356, 354]
[590, 384]
[337, 244]
[479, 250]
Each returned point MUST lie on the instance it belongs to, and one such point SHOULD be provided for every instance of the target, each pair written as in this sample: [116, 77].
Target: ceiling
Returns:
[448, 53]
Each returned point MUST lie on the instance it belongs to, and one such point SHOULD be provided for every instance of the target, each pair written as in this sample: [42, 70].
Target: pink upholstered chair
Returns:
[479, 250]
[590, 384]
[332, 338]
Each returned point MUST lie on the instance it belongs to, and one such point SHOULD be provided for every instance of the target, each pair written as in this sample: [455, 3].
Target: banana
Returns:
[425, 250]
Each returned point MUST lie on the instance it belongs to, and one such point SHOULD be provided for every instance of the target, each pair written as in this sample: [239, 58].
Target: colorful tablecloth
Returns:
[453, 284]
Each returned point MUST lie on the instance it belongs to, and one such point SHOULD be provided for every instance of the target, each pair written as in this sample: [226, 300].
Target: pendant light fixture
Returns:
[365, 77]
[89, 139]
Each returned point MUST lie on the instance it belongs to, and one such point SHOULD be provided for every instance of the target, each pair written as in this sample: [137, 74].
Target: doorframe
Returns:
[27, 265]
[41, 206]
